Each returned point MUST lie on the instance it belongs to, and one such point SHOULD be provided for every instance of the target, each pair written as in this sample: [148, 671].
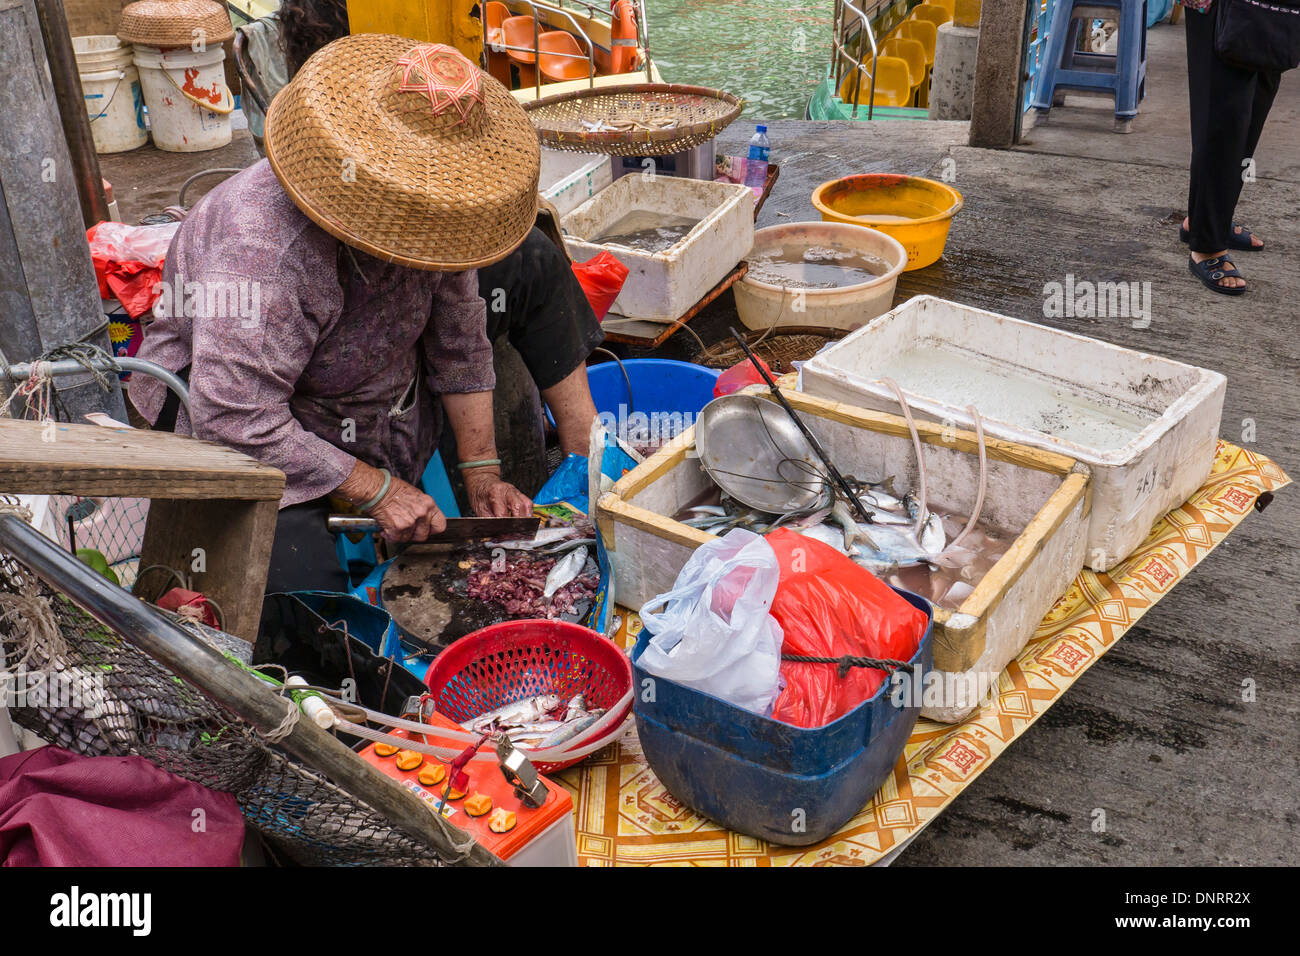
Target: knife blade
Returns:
[458, 529]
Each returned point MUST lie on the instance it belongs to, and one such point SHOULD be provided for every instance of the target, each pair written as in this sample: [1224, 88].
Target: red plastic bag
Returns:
[601, 277]
[128, 262]
[830, 607]
[739, 376]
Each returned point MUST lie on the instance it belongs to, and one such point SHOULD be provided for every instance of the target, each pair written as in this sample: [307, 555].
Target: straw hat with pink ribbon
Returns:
[407, 151]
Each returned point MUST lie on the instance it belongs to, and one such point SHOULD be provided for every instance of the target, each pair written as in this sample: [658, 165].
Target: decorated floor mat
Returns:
[624, 816]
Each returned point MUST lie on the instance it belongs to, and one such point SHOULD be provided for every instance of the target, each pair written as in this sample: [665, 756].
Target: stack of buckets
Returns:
[172, 57]
[110, 84]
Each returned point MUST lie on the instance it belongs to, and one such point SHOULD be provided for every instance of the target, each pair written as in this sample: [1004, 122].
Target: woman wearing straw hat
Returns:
[327, 308]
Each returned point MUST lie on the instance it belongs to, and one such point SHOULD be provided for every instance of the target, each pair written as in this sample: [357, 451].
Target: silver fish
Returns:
[933, 539]
[841, 515]
[565, 570]
[572, 728]
[515, 714]
[708, 510]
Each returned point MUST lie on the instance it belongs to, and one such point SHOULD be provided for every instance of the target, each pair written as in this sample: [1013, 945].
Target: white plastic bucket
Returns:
[110, 85]
[176, 82]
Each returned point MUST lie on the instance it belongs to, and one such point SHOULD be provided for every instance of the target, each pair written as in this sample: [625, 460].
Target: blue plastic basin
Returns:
[788, 785]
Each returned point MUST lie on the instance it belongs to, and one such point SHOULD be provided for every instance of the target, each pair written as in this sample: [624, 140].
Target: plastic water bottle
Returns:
[760, 148]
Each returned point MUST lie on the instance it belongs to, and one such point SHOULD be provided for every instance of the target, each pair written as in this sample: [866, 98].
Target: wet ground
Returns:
[1156, 733]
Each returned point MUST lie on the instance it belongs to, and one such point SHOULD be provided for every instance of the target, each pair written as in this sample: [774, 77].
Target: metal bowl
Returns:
[754, 452]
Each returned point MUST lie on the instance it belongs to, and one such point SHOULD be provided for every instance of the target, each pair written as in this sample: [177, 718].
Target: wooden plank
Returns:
[931, 433]
[230, 540]
[662, 527]
[89, 460]
[1008, 569]
[671, 454]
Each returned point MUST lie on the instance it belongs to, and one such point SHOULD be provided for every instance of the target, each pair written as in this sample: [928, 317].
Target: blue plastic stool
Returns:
[1065, 66]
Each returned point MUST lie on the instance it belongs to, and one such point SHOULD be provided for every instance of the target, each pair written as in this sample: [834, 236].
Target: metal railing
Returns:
[22, 370]
[844, 54]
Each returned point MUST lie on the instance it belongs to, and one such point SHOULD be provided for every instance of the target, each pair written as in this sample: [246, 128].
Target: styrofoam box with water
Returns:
[569, 179]
[1146, 426]
[663, 286]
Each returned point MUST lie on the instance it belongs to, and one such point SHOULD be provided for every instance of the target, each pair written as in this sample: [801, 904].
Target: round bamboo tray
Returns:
[642, 119]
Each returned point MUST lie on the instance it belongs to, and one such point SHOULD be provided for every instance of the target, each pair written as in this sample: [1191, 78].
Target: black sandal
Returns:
[1212, 270]
[1241, 241]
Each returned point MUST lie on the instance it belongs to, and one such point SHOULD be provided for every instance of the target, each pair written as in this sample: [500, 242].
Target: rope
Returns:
[100, 365]
[849, 661]
[290, 721]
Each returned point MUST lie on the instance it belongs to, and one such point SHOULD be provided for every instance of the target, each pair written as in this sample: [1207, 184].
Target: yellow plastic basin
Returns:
[917, 212]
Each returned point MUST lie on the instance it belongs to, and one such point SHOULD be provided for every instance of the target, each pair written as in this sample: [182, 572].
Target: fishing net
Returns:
[779, 347]
[80, 685]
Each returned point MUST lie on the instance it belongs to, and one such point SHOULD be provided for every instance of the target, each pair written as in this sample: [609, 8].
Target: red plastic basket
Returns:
[519, 659]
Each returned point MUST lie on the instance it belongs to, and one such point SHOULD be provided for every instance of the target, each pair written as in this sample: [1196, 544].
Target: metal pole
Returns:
[72, 110]
[47, 281]
[245, 695]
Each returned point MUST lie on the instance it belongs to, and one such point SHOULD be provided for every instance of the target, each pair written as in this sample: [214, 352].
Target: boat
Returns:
[536, 48]
[881, 56]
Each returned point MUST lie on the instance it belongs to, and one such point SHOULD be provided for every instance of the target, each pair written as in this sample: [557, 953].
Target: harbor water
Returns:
[772, 54]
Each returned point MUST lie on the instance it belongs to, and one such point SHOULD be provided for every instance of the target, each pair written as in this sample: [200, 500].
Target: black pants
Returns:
[534, 299]
[1228, 109]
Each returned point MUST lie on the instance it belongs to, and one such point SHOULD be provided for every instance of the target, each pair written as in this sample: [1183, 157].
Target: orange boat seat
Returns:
[556, 68]
[518, 32]
[497, 14]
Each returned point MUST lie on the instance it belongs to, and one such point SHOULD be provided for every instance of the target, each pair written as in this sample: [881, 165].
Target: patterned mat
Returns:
[624, 816]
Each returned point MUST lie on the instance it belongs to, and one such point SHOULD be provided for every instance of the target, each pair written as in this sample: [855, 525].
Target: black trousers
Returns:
[1228, 109]
[534, 299]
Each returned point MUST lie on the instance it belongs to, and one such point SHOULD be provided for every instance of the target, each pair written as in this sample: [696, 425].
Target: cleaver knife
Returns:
[458, 529]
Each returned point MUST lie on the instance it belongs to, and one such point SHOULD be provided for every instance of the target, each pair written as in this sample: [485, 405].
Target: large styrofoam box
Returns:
[569, 179]
[1166, 415]
[663, 286]
[1041, 495]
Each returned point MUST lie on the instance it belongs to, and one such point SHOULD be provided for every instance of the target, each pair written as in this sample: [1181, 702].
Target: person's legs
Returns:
[1221, 105]
[303, 553]
[533, 296]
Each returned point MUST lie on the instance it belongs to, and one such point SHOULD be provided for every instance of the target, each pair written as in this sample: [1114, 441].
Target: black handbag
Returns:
[1258, 34]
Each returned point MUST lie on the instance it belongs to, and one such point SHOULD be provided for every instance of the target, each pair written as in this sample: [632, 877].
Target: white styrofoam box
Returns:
[1146, 426]
[557, 845]
[663, 286]
[1041, 495]
[569, 179]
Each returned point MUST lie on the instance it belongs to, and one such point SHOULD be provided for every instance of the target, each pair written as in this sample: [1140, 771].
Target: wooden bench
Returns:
[203, 496]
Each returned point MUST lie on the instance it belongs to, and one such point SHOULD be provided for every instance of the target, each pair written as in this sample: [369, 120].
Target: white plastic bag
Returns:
[714, 633]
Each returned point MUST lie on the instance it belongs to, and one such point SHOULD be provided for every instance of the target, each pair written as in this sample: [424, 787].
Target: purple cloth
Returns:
[61, 809]
[306, 354]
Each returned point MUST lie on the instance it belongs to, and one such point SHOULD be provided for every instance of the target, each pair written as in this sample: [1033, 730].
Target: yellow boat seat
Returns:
[949, 5]
[913, 52]
[966, 13]
[925, 33]
[933, 12]
[558, 69]
[893, 84]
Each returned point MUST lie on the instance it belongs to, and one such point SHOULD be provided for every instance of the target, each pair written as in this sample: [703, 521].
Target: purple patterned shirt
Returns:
[303, 353]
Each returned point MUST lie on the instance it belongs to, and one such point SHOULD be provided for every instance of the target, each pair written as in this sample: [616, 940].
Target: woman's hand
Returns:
[407, 514]
[490, 497]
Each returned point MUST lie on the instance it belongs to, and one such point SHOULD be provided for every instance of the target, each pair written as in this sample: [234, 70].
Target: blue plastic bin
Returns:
[764, 777]
[658, 385]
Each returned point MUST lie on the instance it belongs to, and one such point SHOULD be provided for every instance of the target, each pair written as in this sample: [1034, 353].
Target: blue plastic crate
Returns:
[788, 785]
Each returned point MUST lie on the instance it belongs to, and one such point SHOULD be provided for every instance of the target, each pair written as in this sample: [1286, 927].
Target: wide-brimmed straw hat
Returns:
[407, 151]
[172, 23]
